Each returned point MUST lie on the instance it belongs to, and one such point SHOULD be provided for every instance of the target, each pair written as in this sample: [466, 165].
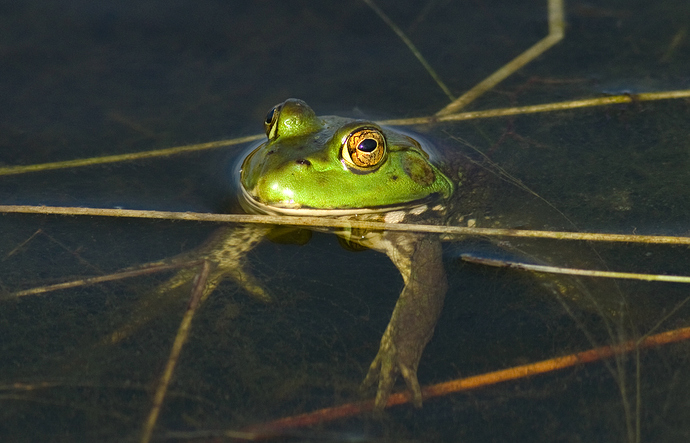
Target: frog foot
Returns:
[247, 281]
[388, 364]
[227, 250]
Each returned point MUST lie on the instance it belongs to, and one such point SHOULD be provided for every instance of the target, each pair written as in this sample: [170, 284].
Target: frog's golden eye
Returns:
[364, 148]
[271, 119]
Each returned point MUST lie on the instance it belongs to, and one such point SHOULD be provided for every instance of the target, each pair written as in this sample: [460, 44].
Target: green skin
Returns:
[301, 166]
[300, 170]
[303, 169]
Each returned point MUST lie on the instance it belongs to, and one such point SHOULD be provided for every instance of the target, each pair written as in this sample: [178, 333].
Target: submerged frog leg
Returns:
[419, 259]
[225, 251]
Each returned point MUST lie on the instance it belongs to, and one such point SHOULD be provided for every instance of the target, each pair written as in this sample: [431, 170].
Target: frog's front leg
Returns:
[225, 251]
[419, 259]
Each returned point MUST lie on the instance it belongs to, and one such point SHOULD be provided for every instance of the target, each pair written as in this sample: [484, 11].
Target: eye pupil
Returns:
[269, 116]
[270, 125]
[364, 149]
[367, 145]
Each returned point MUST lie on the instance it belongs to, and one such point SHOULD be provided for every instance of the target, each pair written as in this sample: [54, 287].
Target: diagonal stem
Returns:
[180, 339]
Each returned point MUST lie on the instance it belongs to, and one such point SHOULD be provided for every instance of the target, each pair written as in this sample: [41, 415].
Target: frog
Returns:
[350, 168]
[346, 168]
[354, 169]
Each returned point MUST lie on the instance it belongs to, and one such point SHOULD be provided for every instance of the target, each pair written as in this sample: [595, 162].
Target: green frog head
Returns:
[334, 165]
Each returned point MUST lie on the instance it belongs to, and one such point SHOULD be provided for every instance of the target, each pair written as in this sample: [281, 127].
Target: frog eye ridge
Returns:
[270, 124]
[364, 149]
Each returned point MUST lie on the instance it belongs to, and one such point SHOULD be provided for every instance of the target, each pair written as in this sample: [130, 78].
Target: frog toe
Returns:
[372, 375]
[387, 376]
[410, 377]
[382, 370]
[251, 284]
[385, 369]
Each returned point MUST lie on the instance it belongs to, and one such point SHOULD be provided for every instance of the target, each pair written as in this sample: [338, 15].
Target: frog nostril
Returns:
[303, 161]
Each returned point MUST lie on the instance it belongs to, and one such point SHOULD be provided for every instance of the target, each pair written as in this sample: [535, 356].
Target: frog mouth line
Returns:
[253, 206]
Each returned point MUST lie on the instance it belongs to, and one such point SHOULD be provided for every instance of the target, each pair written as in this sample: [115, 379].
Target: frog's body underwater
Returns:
[354, 169]
[347, 168]
[332, 166]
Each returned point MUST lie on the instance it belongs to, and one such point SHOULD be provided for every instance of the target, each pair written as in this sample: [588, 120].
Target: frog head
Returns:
[331, 165]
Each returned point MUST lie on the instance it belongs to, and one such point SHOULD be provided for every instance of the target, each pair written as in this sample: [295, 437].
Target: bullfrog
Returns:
[341, 167]
[330, 166]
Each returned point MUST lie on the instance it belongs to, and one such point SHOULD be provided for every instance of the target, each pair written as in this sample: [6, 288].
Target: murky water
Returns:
[84, 79]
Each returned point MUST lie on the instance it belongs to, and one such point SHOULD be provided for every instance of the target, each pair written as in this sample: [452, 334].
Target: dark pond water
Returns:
[83, 79]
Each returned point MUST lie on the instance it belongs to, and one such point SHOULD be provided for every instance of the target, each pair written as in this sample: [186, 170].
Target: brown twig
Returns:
[464, 384]
[340, 223]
